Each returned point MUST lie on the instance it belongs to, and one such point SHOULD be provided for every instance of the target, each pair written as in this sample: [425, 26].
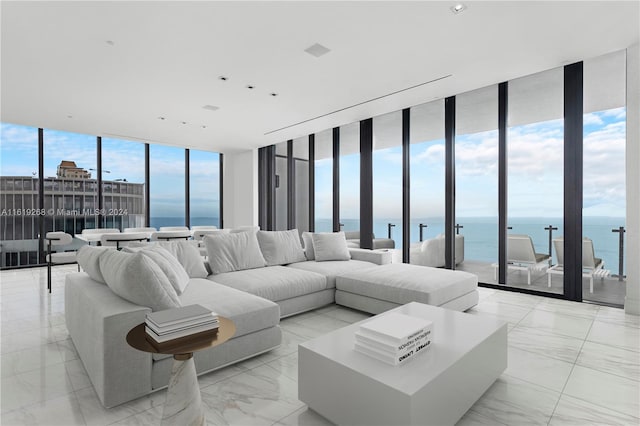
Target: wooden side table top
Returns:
[137, 338]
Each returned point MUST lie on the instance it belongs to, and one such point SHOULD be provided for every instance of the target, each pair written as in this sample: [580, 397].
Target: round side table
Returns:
[184, 404]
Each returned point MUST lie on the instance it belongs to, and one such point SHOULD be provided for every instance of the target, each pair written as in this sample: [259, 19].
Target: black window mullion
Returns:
[291, 187]
[336, 179]
[406, 188]
[147, 186]
[101, 219]
[573, 175]
[41, 220]
[450, 176]
[312, 183]
[503, 98]
[366, 183]
[187, 190]
[221, 190]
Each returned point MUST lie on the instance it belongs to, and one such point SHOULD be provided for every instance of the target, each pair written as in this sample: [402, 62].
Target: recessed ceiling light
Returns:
[183, 122]
[110, 42]
[204, 127]
[223, 78]
[458, 8]
[69, 116]
[250, 86]
[317, 50]
[211, 107]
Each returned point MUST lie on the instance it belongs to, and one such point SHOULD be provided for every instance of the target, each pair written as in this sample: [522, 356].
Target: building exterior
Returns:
[70, 205]
[68, 169]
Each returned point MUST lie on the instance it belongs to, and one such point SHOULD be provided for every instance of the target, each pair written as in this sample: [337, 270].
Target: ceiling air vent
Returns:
[317, 50]
[211, 107]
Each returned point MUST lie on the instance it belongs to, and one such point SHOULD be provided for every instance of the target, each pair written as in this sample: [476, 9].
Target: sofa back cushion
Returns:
[170, 266]
[89, 260]
[330, 246]
[233, 252]
[138, 279]
[187, 254]
[281, 247]
[307, 240]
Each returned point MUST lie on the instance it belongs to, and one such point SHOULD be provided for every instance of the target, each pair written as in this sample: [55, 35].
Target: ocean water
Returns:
[481, 234]
[157, 222]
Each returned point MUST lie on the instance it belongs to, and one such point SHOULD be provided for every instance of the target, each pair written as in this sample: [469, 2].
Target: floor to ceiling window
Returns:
[19, 195]
[476, 160]
[167, 185]
[387, 177]
[70, 185]
[324, 181]
[301, 175]
[123, 184]
[604, 201]
[204, 188]
[535, 153]
[350, 177]
[282, 184]
[427, 166]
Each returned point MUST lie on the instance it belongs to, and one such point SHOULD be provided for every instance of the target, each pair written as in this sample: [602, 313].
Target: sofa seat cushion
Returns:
[403, 283]
[248, 312]
[332, 268]
[273, 282]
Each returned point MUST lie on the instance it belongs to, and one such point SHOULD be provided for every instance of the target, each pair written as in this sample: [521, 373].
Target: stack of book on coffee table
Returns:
[173, 327]
[394, 338]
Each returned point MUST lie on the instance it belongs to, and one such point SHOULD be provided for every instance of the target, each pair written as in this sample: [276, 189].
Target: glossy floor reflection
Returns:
[569, 363]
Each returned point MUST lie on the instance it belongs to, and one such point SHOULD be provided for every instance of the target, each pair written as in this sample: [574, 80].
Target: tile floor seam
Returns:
[606, 372]
[570, 373]
[495, 422]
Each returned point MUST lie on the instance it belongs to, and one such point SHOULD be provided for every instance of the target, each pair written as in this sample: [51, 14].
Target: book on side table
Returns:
[173, 327]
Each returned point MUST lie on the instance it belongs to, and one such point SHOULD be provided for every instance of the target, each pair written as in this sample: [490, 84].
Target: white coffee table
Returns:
[437, 387]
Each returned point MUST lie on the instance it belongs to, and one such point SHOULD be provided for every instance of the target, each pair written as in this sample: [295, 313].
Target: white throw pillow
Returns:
[188, 255]
[138, 279]
[89, 260]
[170, 266]
[330, 246]
[233, 252]
[308, 245]
[281, 247]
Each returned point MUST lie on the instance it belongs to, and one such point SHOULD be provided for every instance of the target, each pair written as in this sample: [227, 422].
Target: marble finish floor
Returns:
[569, 363]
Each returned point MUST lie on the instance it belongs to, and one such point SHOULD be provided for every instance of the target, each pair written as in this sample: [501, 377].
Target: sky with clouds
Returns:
[535, 171]
[120, 160]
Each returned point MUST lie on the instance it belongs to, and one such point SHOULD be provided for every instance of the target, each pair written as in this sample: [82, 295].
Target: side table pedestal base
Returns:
[184, 404]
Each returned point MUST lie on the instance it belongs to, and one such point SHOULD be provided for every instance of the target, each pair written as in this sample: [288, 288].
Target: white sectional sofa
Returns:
[255, 298]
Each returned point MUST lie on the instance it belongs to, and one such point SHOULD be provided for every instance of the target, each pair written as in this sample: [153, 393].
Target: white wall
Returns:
[241, 189]
[632, 300]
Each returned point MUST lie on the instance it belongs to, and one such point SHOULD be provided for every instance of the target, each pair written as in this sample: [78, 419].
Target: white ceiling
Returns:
[165, 59]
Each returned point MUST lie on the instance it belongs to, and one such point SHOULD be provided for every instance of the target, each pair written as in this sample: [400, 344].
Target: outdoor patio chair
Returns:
[592, 266]
[58, 238]
[522, 256]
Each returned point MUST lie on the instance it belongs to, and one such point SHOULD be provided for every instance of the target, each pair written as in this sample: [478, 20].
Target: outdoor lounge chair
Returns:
[591, 265]
[522, 256]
